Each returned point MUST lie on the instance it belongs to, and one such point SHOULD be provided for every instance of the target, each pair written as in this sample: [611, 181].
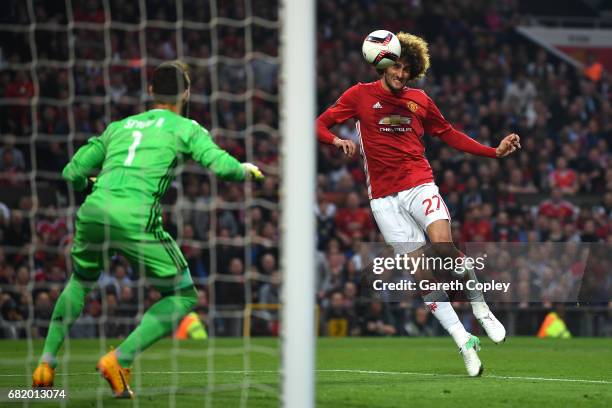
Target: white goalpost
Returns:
[298, 196]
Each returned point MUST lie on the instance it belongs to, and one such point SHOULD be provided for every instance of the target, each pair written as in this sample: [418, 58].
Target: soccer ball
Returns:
[381, 48]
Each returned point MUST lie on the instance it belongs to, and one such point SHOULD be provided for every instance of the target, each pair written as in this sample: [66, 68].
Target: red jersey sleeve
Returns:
[344, 109]
[436, 125]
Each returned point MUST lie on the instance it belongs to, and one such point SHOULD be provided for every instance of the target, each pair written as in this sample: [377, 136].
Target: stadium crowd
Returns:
[488, 81]
[485, 78]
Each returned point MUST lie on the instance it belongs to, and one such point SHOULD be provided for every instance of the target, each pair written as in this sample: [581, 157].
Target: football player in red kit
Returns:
[392, 120]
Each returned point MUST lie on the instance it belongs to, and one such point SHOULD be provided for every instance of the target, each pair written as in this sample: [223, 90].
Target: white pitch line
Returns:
[350, 371]
[500, 377]
[503, 377]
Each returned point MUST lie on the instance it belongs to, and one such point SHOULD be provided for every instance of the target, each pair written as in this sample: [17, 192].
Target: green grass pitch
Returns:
[351, 372]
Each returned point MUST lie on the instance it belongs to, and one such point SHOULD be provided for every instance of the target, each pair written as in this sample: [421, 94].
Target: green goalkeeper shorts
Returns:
[154, 253]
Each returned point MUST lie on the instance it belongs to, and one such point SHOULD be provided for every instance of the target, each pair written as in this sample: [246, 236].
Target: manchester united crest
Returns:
[412, 106]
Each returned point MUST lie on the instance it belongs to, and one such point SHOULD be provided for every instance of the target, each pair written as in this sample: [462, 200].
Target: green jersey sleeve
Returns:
[203, 149]
[88, 158]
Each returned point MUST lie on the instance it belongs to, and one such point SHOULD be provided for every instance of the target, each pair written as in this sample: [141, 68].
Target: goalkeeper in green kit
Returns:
[136, 157]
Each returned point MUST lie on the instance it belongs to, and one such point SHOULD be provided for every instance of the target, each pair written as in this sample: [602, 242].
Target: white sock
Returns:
[446, 315]
[480, 309]
[459, 334]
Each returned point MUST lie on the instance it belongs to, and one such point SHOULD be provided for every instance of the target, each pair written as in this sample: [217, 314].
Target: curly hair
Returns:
[415, 52]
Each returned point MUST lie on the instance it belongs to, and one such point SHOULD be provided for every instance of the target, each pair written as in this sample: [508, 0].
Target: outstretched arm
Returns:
[463, 142]
[88, 158]
[206, 152]
[438, 126]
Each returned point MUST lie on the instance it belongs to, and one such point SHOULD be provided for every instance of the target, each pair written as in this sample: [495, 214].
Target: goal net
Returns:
[67, 70]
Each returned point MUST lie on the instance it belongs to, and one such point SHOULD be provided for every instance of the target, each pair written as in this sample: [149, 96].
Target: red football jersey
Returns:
[391, 128]
[563, 179]
[562, 210]
[348, 221]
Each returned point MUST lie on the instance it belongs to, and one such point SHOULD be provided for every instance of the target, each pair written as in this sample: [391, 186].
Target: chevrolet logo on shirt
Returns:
[395, 121]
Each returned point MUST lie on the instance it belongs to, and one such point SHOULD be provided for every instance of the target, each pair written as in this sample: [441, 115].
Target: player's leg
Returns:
[86, 257]
[160, 320]
[167, 270]
[439, 233]
[402, 232]
[429, 210]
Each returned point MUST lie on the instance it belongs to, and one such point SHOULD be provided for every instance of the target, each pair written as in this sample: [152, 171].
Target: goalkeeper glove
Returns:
[252, 172]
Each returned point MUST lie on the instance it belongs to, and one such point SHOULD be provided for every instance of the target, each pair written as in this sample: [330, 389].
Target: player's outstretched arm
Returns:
[88, 158]
[436, 125]
[464, 143]
[206, 152]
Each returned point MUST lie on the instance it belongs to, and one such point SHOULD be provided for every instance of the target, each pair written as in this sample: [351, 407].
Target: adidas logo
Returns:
[377, 105]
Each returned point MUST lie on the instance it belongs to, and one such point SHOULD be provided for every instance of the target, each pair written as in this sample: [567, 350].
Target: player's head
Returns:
[170, 84]
[412, 64]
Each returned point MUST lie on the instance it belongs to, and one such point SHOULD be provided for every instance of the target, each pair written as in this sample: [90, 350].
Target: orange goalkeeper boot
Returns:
[118, 378]
[43, 376]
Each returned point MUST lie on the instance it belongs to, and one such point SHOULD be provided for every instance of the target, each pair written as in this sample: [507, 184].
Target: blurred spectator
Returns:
[338, 320]
[43, 307]
[593, 69]
[17, 160]
[520, 94]
[5, 216]
[269, 294]
[10, 318]
[420, 324]
[563, 178]
[87, 324]
[556, 207]
[267, 264]
[377, 321]
[477, 227]
[230, 288]
[12, 165]
[352, 220]
[518, 185]
[127, 307]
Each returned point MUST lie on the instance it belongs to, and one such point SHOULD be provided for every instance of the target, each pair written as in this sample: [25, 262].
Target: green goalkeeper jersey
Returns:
[137, 157]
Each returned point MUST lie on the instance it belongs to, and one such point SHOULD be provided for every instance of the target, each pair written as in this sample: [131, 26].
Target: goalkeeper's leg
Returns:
[86, 260]
[167, 270]
[160, 320]
[67, 310]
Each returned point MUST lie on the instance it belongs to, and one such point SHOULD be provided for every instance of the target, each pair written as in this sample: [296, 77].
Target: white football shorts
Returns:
[403, 217]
